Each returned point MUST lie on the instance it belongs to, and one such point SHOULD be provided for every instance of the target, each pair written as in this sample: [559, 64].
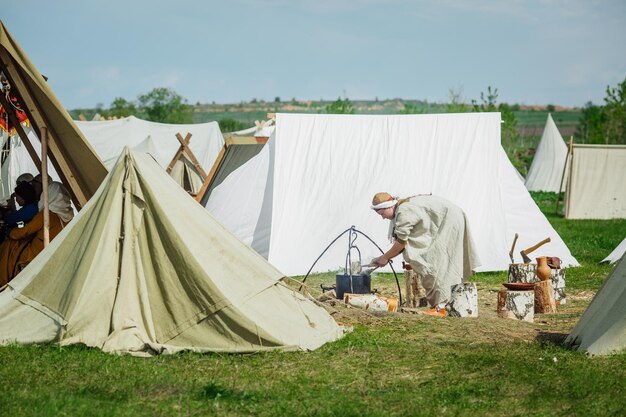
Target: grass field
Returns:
[391, 364]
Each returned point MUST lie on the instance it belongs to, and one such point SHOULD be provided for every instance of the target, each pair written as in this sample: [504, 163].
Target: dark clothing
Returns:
[25, 214]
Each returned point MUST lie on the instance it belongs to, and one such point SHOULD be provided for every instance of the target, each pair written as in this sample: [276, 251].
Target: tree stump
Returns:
[518, 305]
[415, 294]
[544, 297]
[522, 272]
[558, 283]
[463, 300]
[526, 273]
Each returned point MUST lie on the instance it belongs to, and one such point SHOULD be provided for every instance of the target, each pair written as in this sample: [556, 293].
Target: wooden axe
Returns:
[525, 252]
[513, 248]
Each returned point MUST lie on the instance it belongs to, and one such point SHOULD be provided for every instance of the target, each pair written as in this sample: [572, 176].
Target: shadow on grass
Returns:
[551, 338]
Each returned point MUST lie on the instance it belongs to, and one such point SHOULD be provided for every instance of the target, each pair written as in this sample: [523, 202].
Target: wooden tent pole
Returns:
[211, 175]
[568, 191]
[570, 146]
[44, 184]
[186, 150]
[38, 119]
[177, 155]
[20, 131]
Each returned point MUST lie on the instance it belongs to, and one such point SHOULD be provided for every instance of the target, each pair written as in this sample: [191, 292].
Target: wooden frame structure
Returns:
[229, 145]
[76, 163]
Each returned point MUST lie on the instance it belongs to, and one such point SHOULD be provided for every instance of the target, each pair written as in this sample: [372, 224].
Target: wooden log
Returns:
[371, 302]
[518, 305]
[415, 294]
[544, 297]
[526, 273]
[522, 272]
[463, 300]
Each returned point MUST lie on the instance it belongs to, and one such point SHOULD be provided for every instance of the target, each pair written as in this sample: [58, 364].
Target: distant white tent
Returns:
[137, 273]
[601, 330]
[109, 137]
[617, 253]
[318, 173]
[596, 188]
[546, 170]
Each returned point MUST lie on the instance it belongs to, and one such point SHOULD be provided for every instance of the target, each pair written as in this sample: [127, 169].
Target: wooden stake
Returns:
[570, 148]
[44, 184]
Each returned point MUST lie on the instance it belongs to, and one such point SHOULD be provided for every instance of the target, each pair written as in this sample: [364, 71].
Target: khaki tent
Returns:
[144, 269]
[74, 160]
[602, 328]
[596, 188]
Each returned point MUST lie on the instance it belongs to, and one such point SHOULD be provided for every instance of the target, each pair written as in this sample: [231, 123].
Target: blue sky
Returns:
[535, 51]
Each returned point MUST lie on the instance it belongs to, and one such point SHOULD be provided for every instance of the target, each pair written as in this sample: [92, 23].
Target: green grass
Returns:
[393, 364]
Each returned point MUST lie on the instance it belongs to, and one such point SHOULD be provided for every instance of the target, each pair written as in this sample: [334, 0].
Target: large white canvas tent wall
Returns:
[318, 173]
[601, 330]
[138, 273]
[546, 170]
[617, 253]
[596, 188]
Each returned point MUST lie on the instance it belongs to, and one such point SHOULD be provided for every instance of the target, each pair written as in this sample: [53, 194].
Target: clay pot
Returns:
[543, 270]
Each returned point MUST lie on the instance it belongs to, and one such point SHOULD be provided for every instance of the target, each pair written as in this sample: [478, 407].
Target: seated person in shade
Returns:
[37, 184]
[23, 244]
[26, 198]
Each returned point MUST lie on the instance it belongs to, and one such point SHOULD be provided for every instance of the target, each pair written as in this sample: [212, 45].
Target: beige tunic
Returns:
[438, 242]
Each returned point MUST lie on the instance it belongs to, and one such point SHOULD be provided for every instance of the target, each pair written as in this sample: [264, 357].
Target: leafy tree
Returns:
[122, 108]
[489, 104]
[551, 108]
[456, 104]
[340, 106]
[615, 112]
[164, 105]
[229, 124]
[412, 108]
[591, 126]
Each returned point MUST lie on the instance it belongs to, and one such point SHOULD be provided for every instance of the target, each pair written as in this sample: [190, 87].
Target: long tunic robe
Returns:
[23, 244]
[438, 243]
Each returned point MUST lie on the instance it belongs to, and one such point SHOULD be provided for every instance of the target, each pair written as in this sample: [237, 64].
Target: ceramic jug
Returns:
[543, 270]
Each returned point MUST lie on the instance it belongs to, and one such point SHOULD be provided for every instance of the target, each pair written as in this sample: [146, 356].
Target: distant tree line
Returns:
[605, 124]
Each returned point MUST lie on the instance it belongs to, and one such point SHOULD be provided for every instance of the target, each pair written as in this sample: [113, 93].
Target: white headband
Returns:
[385, 204]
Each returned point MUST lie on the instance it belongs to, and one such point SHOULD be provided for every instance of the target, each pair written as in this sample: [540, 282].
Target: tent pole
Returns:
[570, 145]
[44, 184]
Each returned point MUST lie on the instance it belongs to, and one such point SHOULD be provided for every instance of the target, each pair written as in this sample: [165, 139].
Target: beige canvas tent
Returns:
[595, 182]
[138, 273]
[601, 329]
[77, 165]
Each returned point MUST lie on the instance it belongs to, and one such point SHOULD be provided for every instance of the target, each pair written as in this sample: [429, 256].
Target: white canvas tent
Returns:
[109, 137]
[546, 170]
[601, 330]
[617, 253]
[138, 273]
[318, 173]
[596, 188]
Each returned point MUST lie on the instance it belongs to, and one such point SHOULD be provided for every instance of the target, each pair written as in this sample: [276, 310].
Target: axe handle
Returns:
[532, 248]
[513, 247]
